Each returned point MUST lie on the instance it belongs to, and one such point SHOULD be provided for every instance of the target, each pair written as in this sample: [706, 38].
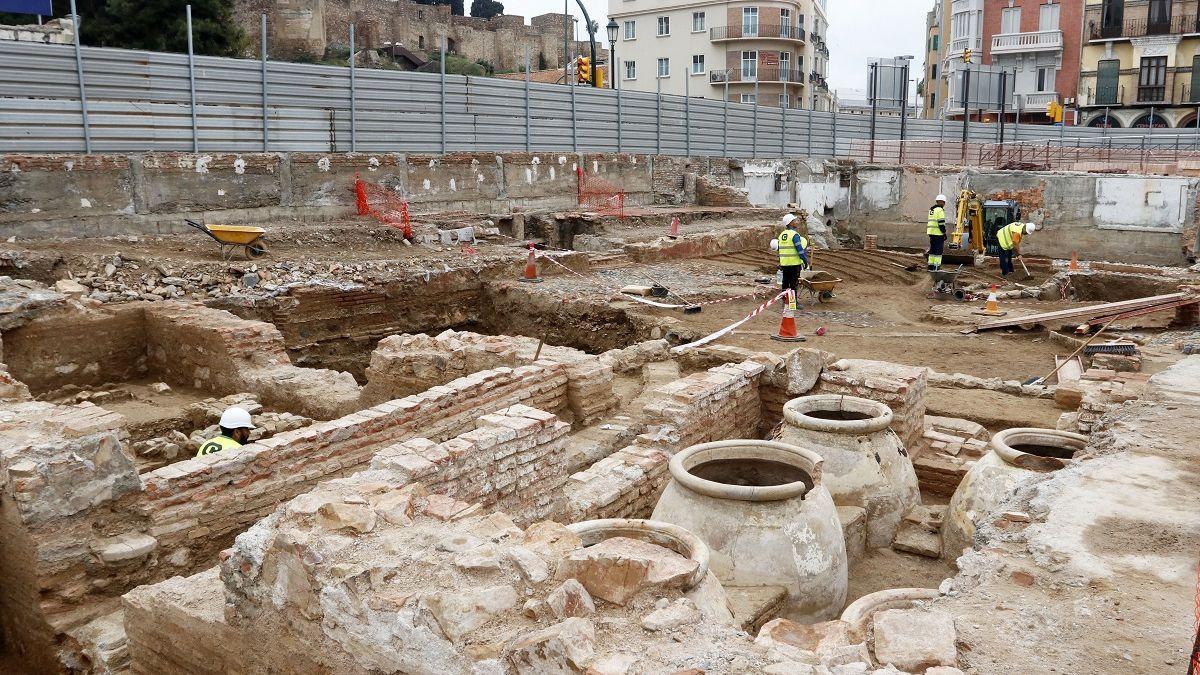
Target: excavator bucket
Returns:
[958, 256]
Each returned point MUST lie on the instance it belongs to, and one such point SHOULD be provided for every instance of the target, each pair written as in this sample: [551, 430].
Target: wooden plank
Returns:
[1107, 309]
[1070, 371]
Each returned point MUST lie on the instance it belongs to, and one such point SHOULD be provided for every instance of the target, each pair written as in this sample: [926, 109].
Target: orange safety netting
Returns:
[384, 204]
[600, 196]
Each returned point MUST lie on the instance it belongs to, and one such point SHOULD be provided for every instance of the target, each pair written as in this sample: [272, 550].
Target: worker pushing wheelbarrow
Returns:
[231, 238]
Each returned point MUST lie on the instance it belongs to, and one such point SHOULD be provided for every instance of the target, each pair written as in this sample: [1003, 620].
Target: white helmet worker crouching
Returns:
[235, 432]
[235, 418]
[1030, 228]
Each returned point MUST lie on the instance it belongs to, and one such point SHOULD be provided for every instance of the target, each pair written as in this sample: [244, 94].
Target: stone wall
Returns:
[79, 346]
[901, 388]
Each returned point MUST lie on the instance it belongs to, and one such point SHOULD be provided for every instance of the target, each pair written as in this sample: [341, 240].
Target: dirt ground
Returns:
[884, 568]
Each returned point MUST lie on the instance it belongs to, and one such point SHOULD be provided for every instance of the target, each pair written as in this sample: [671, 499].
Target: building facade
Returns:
[772, 53]
[935, 50]
[965, 32]
[1140, 64]
[1038, 44]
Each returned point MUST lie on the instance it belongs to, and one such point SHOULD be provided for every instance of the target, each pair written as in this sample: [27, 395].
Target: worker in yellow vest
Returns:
[236, 426]
[793, 254]
[1009, 238]
[935, 227]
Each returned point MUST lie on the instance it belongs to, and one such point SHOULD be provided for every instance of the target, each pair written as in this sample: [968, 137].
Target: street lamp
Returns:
[612, 28]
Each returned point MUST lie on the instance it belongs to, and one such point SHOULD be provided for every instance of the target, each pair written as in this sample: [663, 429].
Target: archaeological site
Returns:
[551, 413]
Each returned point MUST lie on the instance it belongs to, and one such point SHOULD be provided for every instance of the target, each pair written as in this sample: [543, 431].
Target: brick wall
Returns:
[717, 404]
[81, 348]
[901, 388]
[704, 244]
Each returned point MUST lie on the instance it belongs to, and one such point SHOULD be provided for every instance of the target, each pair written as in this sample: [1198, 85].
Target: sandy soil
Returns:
[883, 568]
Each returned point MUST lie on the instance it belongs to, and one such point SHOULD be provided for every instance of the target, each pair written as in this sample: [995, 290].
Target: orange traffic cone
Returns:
[1074, 266]
[992, 308]
[531, 273]
[787, 324]
[674, 233]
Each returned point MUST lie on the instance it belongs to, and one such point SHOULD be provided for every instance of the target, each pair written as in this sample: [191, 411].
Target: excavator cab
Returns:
[997, 214]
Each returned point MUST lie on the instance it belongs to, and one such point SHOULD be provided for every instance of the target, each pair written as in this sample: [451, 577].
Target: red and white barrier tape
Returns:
[785, 295]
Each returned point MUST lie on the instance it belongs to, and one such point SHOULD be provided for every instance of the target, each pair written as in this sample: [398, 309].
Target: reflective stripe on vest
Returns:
[788, 255]
[217, 445]
[936, 226]
[1009, 236]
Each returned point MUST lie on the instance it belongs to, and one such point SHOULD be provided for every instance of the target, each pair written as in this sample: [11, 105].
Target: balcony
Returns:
[1017, 43]
[1153, 94]
[1132, 28]
[1039, 100]
[763, 75]
[759, 32]
[818, 79]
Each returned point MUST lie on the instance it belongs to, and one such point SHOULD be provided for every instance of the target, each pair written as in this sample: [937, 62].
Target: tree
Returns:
[155, 25]
[486, 9]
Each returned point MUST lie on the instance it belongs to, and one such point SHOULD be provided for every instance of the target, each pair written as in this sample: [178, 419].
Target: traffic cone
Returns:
[1074, 266]
[992, 308]
[787, 324]
[531, 273]
[674, 233]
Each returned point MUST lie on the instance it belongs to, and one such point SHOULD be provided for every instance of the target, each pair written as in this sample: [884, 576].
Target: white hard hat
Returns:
[787, 219]
[1030, 228]
[236, 418]
[940, 198]
[774, 244]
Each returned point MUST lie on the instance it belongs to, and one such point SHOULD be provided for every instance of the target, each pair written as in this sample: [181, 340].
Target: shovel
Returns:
[1027, 276]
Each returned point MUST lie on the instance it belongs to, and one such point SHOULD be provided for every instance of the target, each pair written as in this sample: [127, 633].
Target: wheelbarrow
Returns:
[819, 284]
[945, 284]
[233, 237]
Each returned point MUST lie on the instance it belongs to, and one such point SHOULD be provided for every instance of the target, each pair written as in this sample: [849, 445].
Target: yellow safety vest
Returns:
[1009, 236]
[217, 445]
[788, 255]
[936, 227]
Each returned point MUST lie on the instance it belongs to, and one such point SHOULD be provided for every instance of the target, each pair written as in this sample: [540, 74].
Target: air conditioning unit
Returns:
[717, 76]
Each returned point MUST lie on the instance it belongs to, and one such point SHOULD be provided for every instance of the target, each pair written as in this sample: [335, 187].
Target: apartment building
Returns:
[966, 32]
[935, 52]
[770, 53]
[1140, 63]
[1038, 43]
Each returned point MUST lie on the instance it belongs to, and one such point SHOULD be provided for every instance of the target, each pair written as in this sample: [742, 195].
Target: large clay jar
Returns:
[763, 510]
[1014, 456]
[866, 464]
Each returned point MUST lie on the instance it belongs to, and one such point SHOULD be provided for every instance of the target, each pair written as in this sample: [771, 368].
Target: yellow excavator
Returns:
[978, 222]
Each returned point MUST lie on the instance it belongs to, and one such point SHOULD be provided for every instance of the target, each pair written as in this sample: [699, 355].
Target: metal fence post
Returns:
[83, 102]
[354, 95]
[834, 117]
[442, 91]
[528, 138]
[687, 111]
[657, 113]
[263, 39]
[725, 119]
[754, 137]
[619, 112]
[192, 80]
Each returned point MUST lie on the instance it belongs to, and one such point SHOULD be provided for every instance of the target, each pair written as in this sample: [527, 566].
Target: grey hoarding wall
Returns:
[141, 101]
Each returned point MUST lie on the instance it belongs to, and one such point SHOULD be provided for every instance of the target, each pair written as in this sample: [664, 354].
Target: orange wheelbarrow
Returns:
[233, 237]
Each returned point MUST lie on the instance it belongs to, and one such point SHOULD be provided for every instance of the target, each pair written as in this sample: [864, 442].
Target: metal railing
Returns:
[1038, 100]
[1131, 28]
[1152, 94]
[758, 31]
[1045, 40]
[761, 74]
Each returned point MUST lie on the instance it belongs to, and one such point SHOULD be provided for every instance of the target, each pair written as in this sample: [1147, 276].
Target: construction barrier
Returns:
[382, 204]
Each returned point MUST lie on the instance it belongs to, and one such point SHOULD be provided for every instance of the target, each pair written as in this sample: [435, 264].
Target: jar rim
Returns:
[800, 458]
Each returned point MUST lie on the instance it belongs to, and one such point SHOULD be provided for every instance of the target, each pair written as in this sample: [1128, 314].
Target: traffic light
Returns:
[583, 70]
[967, 55]
[1054, 111]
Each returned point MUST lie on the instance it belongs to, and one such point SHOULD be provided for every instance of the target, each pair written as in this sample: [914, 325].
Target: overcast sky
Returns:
[858, 30]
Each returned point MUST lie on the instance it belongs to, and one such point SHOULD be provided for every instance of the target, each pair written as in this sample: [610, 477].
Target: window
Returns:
[1010, 20]
[630, 30]
[1045, 79]
[664, 25]
[749, 21]
[631, 70]
[748, 98]
[937, 42]
[750, 66]
[1112, 20]
[1160, 17]
[1049, 17]
[1195, 93]
[664, 67]
[933, 71]
[420, 42]
[932, 101]
[420, 15]
[785, 23]
[697, 64]
[697, 22]
[783, 100]
[785, 61]
[1108, 73]
[1152, 79]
